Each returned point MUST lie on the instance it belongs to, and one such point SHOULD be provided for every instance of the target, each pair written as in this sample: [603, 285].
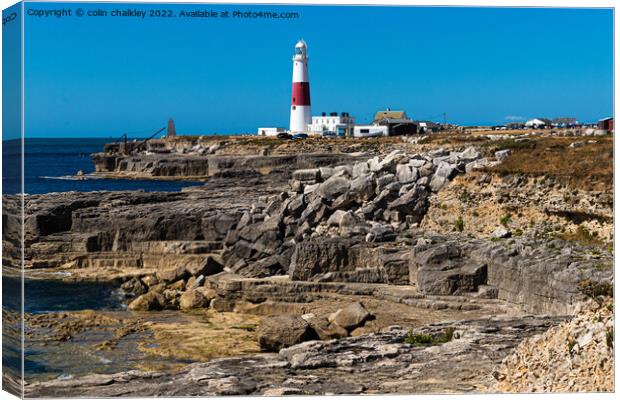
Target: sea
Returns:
[51, 166]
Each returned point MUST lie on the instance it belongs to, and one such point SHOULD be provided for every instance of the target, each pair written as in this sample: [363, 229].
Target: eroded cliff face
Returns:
[486, 201]
[194, 165]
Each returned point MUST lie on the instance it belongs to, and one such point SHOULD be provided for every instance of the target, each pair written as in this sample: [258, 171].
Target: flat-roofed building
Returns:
[270, 131]
[332, 124]
[370, 130]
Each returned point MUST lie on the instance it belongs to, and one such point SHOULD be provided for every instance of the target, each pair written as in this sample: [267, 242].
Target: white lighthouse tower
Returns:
[300, 102]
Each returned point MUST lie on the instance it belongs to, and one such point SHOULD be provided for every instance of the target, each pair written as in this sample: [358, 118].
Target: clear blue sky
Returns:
[105, 76]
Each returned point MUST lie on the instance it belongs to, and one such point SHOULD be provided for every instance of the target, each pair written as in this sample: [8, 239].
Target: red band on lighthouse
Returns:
[301, 94]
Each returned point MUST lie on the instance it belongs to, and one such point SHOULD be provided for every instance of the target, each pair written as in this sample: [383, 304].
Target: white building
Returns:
[340, 125]
[270, 131]
[370, 130]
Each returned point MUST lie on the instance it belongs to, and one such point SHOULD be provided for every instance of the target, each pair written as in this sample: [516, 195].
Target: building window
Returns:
[294, 107]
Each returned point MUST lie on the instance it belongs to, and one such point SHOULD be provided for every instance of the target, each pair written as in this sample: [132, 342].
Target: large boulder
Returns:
[276, 333]
[325, 329]
[350, 317]
[414, 202]
[360, 168]
[406, 173]
[314, 257]
[446, 170]
[172, 274]
[148, 302]
[437, 182]
[468, 155]
[210, 266]
[134, 287]
[333, 187]
[439, 280]
[192, 299]
[363, 187]
[446, 269]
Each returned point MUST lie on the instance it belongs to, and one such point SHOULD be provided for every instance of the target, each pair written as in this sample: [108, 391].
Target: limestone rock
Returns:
[500, 233]
[333, 187]
[147, 302]
[192, 299]
[350, 317]
[275, 333]
[501, 155]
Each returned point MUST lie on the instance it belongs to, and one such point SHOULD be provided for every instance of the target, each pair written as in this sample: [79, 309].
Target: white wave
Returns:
[72, 177]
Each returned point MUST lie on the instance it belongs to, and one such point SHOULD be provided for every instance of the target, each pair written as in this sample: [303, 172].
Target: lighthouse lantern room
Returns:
[301, 116]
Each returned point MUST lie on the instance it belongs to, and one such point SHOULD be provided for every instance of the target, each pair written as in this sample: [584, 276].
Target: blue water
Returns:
[50, 165]
[45, 295]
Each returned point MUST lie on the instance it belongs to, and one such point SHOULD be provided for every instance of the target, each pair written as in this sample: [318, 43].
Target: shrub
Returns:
[505, 220]
[459, 224]
[448, 334]
[609, 336]
[418, 338]
[421, 339]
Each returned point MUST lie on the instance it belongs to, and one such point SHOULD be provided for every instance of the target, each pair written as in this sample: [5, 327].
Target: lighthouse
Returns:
[300, 101]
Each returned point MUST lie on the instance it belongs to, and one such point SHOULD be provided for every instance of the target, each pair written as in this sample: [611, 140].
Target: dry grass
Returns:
[583, 236]
[589, 167]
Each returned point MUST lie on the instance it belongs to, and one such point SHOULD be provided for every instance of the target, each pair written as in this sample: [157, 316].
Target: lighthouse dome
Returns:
[300, 50]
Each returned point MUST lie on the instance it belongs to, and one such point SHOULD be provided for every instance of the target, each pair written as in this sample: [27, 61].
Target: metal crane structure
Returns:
[123, 143]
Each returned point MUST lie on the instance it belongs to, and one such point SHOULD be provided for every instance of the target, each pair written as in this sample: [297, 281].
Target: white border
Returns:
[477, 3]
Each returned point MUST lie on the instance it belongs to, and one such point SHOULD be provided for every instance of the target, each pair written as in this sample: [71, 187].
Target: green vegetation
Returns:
[505, 220]
[609, 336]
[422, 339]
[459, 224]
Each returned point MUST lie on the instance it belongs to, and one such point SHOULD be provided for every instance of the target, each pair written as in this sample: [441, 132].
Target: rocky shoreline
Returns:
[301, 240]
